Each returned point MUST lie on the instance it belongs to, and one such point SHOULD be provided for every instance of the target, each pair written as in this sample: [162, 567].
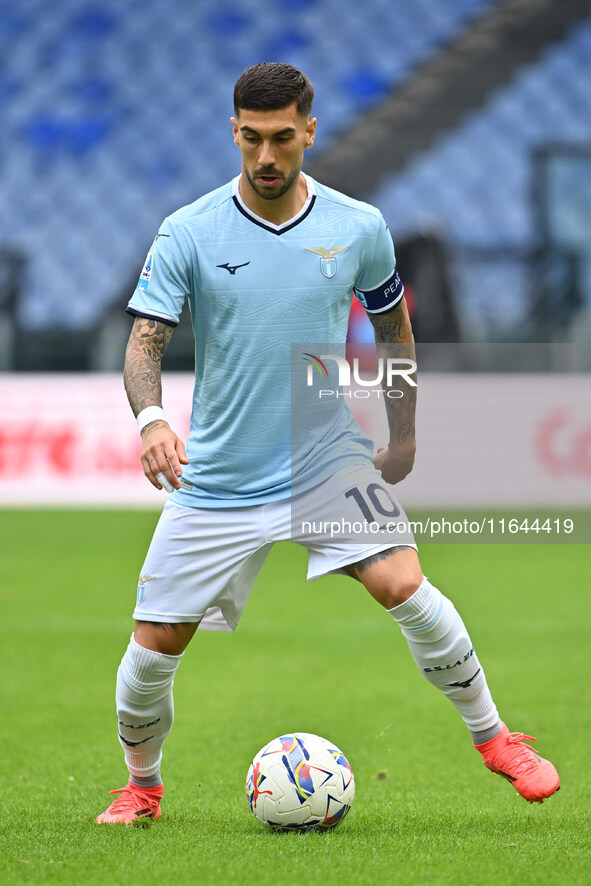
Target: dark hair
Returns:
[270, 86]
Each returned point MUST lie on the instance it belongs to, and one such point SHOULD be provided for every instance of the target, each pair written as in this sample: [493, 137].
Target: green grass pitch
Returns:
[319, 657]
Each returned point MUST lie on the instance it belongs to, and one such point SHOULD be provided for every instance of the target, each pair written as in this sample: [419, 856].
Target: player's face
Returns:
[272, 144]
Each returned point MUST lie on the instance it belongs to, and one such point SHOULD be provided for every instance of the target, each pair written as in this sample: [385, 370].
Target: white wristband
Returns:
[151, 413]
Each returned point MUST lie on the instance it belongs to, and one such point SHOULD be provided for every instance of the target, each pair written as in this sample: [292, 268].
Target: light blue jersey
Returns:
[260, 297]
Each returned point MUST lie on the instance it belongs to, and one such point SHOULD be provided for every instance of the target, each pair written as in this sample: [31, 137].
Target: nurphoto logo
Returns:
[389, 370]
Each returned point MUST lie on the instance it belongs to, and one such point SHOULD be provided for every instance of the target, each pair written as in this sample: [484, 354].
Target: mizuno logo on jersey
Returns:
[328, 262]
[232, 268]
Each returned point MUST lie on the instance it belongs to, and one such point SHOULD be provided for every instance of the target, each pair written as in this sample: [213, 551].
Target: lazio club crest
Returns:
[328, 262]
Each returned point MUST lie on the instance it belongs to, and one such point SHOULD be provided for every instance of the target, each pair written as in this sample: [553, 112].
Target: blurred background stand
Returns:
[467, 123]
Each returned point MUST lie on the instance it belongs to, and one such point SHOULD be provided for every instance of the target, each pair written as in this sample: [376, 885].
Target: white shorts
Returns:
[202, 563]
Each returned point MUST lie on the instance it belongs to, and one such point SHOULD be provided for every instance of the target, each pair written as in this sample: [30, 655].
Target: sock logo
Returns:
[140, 725]
[463, 684]
[134, 744]
[448, 667]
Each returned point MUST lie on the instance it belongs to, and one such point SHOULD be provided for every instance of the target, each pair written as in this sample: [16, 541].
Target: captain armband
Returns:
[384, 297]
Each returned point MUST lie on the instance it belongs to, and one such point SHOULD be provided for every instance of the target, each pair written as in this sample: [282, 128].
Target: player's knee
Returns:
[399, 589]
[169, 639]
[393, 579]
[392, 590]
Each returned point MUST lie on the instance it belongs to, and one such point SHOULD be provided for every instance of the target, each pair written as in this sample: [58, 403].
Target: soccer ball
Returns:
[300, 782]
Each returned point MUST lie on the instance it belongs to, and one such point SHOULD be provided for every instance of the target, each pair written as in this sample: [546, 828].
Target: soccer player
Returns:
[267, 262]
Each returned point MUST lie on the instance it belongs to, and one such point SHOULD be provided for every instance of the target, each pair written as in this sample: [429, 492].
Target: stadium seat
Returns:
[116, 113]
[475, 185]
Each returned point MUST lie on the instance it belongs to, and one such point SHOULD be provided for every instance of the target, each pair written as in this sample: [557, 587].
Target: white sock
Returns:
[145, 709]
[442, 649]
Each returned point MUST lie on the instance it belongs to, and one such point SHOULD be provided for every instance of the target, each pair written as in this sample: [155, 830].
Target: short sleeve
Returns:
[164, 282]
[378, 286]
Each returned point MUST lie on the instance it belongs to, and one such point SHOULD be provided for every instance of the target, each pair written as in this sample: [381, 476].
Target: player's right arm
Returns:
[162, 450]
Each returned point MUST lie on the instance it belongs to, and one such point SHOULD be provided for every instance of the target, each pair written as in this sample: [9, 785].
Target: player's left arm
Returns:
[394, 338]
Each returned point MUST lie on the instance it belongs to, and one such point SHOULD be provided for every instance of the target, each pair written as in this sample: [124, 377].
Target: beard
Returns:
[283, 189]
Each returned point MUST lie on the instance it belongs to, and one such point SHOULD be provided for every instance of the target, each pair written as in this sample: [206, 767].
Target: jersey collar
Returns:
[263, 223]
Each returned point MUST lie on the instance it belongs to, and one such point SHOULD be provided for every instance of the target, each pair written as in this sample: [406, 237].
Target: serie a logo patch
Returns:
[146, 272]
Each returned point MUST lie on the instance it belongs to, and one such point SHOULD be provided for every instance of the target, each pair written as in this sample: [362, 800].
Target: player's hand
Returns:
[162, 452]
[395, 462]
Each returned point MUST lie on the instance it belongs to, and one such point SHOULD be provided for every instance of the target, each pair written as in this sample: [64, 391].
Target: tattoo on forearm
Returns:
[405, 431]
[390, 327]
[143, 359]
[394, 338]
[401, 416]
